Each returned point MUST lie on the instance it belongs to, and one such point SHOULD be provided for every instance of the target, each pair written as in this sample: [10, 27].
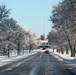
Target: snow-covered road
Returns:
[69, 62]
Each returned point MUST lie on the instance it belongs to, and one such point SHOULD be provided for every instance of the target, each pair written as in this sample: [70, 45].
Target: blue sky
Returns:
[33, 14]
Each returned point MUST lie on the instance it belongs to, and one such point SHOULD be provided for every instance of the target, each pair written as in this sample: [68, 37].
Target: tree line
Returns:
[12, 35]
[63, 35]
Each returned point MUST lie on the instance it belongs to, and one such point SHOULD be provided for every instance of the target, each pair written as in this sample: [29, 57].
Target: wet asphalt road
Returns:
[37, 64]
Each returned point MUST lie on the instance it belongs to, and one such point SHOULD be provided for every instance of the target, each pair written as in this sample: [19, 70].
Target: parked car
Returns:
[47, 51]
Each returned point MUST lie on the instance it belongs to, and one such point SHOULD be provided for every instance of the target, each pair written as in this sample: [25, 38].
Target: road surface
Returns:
[37, 64]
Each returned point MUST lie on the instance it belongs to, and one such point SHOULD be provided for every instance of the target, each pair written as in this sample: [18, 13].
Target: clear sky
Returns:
[33, 14]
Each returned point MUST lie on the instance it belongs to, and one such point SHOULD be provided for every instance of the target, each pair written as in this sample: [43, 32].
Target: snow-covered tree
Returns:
[4, 12]
[64, 20]
[12, 35]
[31, 40]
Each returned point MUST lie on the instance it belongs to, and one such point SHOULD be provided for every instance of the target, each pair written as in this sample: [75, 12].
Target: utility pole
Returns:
[43, 28]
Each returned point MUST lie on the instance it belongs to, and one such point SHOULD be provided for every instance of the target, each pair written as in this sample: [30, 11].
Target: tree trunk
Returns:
[29, 50]
[58, 50]
[8, 51]
[18, 51]
[67, 51]
[72, 53]
[62, 52]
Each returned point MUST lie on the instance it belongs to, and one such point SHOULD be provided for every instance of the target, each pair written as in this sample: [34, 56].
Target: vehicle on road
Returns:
[47, 51]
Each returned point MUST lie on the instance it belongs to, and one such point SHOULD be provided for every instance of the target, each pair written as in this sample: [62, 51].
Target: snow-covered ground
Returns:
[64, 56]
[69, 61]
[13, 57]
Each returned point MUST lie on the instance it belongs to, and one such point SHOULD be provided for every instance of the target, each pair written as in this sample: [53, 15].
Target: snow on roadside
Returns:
[64, 57]
[5, 60]
[69, 61]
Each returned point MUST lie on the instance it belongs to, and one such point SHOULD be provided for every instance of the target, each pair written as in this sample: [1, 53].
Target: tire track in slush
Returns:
[48, 65]
[17, 70]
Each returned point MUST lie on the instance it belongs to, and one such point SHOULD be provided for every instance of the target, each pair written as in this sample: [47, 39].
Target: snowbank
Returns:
[68, 61]
[63, 57]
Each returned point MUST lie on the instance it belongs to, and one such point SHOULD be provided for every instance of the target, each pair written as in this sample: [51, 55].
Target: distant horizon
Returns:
[32, 14]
